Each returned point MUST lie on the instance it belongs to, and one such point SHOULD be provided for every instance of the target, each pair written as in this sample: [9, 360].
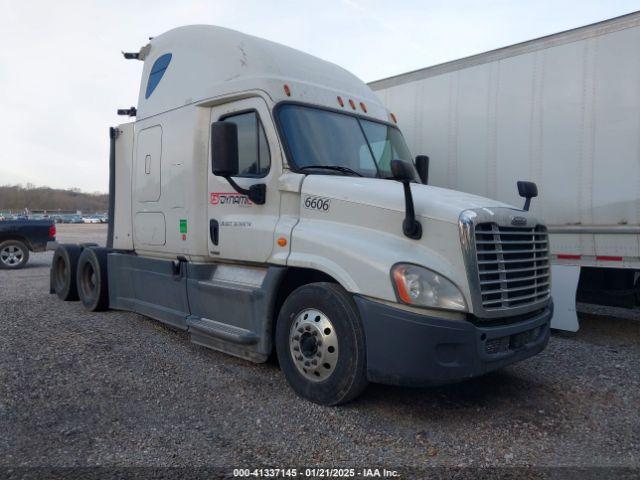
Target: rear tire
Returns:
[63, 272]
[320, 344]
[14, 255]
[93, 280]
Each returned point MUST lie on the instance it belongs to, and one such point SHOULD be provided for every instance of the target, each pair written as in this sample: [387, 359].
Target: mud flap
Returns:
[564, 284]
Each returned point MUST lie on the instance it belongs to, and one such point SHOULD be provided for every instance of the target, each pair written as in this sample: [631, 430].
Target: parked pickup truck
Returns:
[19, 237]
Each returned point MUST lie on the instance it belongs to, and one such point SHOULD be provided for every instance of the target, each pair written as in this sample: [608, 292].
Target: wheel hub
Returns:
[313, 345]
[88, 280]
[11, 255]
[308, 344]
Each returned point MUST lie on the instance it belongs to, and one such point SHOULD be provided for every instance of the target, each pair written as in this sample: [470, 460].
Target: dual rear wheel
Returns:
[79, 273]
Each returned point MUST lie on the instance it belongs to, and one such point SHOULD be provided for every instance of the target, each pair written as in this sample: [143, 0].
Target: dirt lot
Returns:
[119, 389]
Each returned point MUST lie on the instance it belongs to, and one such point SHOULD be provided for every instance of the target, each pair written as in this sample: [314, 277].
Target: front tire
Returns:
[320, 344]
[14, 254]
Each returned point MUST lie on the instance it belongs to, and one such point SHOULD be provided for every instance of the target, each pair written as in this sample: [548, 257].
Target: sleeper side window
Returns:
[157, 71]
[253, 150]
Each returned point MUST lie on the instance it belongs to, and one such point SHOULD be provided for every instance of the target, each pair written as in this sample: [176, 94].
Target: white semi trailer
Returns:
[562, 111]
[265, 200]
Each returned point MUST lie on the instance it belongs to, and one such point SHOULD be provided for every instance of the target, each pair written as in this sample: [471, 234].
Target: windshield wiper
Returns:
[337, 168]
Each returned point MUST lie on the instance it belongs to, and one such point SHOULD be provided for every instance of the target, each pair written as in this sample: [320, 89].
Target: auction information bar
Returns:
[315, 472]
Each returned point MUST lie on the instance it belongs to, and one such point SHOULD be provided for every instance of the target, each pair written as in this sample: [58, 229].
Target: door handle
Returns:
[214, 231]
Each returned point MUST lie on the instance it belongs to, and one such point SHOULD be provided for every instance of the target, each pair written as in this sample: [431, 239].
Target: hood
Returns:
[430, 202]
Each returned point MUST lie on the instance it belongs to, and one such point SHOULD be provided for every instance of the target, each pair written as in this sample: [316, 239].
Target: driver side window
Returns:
[253, 149]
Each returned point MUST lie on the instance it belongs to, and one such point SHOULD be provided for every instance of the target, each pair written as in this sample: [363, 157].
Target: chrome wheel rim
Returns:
[313, 344]
[11, 255]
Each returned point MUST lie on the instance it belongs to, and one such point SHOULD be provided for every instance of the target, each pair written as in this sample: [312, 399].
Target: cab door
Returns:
[238, 228]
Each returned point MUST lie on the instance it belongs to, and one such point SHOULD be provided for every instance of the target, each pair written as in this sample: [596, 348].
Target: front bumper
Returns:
[404, 348]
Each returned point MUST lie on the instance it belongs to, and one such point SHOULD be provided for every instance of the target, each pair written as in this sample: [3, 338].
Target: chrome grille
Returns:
[512, 265]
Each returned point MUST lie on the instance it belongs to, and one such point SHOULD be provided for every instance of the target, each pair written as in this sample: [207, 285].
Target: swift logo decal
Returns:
[230, 198]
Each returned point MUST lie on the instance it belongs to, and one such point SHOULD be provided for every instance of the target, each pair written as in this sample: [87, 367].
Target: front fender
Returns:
[360, 257]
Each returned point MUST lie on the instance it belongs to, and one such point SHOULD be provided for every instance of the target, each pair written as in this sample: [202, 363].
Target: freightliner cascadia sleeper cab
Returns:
[265, 201]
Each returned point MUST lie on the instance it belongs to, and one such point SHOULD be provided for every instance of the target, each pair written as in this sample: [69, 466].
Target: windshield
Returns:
[321, 138]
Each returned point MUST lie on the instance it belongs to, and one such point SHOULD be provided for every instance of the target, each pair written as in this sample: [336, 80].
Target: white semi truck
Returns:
[265, 200]
[561, 110]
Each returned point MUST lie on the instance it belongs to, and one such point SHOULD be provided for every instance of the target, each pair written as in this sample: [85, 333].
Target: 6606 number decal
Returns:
[320, 204]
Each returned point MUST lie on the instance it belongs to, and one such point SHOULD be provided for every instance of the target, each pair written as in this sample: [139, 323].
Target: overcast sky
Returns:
[62, 76]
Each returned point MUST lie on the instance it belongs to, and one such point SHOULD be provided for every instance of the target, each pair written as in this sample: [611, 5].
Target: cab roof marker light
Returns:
[352, 103]
[340, 101]
[393, 117]
[287, 90]
[363, 107]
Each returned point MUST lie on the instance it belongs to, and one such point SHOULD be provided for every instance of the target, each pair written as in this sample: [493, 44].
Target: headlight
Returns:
[421, 287]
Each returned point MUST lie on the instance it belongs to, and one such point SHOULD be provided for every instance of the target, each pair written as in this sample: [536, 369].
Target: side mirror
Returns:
[225, 161]
[422, 165]
[528, 190]
[403, 172]
[224, 149]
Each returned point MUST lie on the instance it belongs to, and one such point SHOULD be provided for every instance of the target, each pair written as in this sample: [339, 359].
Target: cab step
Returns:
[203, 330]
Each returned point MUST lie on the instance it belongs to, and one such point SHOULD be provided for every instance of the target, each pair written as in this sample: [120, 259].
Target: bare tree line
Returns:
[18, 197]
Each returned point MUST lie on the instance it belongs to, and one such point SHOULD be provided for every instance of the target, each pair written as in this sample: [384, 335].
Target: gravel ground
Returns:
[119, 389]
